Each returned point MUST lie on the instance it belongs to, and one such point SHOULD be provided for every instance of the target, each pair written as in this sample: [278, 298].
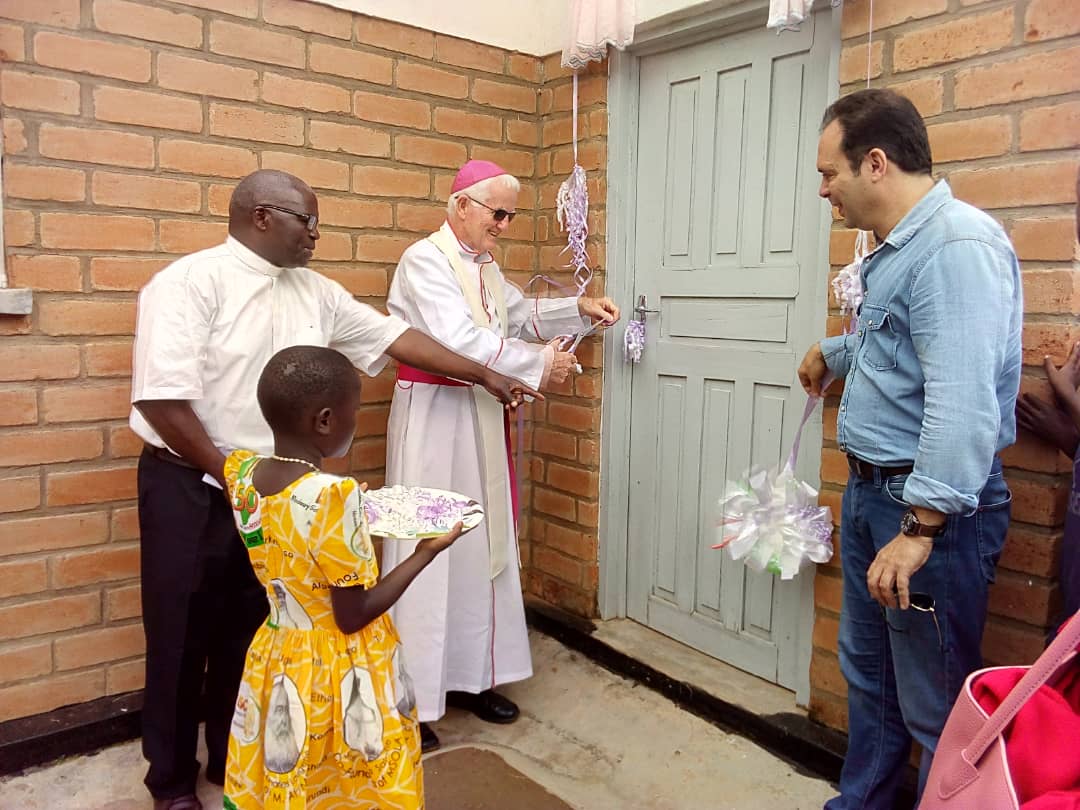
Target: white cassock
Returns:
[463, 628]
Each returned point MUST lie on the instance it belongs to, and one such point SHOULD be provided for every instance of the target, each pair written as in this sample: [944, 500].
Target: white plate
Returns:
[412, 513]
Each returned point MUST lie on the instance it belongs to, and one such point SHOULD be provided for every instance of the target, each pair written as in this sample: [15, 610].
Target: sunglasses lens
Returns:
[922, 601]
[507, 215]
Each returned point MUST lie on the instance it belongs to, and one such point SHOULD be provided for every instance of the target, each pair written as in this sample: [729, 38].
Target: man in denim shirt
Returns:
[931, 375]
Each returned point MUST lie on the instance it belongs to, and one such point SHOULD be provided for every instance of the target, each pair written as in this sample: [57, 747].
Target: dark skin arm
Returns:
[416, 349]
[1049, 422]
[357, 607]
[176, 423]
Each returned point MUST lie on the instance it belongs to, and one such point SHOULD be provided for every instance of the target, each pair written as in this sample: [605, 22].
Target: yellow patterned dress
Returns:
[323, 719]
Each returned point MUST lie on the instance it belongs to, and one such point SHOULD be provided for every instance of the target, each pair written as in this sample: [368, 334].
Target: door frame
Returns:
[710, 20]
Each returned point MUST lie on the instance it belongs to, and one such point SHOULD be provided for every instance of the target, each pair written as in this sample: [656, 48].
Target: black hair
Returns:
[885, 120]
[301, 380]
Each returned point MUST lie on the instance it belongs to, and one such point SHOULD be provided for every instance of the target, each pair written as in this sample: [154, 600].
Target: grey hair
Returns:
[479, 191]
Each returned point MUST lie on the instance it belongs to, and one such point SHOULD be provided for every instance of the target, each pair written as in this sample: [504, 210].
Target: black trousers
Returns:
[201, 606]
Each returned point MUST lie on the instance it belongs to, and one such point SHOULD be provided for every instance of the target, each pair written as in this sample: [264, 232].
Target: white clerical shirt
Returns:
[209, 322]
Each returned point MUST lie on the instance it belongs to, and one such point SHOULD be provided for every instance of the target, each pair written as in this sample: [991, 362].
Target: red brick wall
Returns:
[126, 124]
[999, 86]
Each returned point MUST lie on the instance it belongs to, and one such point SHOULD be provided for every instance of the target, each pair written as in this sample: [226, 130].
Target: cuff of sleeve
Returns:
[830, 346]
[922, 491]
[549, 359]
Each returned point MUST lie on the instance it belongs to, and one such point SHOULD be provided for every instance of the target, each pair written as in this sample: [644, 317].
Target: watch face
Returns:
[908, 523]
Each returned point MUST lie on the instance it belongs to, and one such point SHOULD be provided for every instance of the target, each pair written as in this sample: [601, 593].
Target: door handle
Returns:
[642, 308]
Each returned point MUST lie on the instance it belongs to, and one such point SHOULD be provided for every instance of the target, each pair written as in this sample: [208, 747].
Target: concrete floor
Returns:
[591, 738]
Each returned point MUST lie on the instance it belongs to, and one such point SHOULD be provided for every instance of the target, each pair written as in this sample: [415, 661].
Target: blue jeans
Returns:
[903, 672]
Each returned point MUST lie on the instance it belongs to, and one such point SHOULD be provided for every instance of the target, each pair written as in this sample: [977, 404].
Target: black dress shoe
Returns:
[489, 705]
[429, 740]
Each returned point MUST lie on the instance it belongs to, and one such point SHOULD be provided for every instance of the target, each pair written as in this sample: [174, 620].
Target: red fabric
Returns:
[411, 374]
[1043, 741]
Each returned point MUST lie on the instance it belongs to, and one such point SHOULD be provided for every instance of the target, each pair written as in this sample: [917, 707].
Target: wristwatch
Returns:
[910, 525]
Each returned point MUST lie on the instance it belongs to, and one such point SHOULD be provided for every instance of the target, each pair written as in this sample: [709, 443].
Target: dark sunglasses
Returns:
[924, 603]
[498, 214]
[311, 221]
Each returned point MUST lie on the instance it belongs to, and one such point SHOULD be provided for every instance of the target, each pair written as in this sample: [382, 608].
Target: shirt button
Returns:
[843, 408]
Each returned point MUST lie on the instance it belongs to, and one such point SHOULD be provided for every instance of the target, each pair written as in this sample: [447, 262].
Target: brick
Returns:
[256, 125]
[1010, 644]
[85, 403]
[205, 78]
[308, 17]
[18, 228]
[468, 125]
[39, 361]
[1041, 338]
[90, 486]
[355, 140]
[96, 146]
[98, 646]
[22, 577]
[591, 90]
[1042, 74]
[1020, 597]
[238, 8]
[56, 13]
[420, 218]
[573, 417]
[429, 151]
[1049, 239]
[87, 317]
[96, 232]
[124, 602]
[853, 63]
[1052, 291]
[951, 41]
[144, 21]
[49, 615]
[19, 495]
[369, 455]
[972, 138]
[25, 661]
[44, 183]
[467, 54]
[365, 282]
[353, 64]
[82, 55]
[381, 248]
[43, 271]
[557, 565]
[1016, 185]
[391, 36]
[139, 191]
[18, 407]
[127, 676]
[333, 246]
[1050, 19]
[118, 273]
[46, 694]
[257, 44]
[125, 524]
[12, 43]
[524, 67]
[304, 95]
[504, 96]
[554, 503]
[14, 136]
[1037, 502]
[124, 443]
[591, 155]
[1056, 127]
[316, 172]
[190, 235]
[349, 212]
[382, 181]
[143, 108]
[555, 443]
[856, 16]
[926, 94]
[31, 91]
[193, 157]
[430, 80]
[24, 449]
[572, 479]
[402, 112]
[522, 133]
[570, 541]
[108, 359]
[1031, 550]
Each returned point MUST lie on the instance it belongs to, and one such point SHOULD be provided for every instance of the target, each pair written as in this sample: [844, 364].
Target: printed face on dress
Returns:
[476, 224]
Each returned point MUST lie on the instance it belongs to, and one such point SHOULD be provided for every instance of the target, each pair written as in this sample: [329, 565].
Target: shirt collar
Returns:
[919, 215]
[251, 259]
[467, 252]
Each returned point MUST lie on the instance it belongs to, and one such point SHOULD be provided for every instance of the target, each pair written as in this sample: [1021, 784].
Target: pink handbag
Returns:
[970, 767]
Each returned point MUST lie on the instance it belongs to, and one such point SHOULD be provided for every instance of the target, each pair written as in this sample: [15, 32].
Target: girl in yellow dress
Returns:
[325, 716]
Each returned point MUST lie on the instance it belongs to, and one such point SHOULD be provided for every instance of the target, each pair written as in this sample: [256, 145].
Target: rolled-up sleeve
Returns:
[838, 352]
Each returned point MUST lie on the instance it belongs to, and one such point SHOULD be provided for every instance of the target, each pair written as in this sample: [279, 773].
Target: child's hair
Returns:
[301, 380]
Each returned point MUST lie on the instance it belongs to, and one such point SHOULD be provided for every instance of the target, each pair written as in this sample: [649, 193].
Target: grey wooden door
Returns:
[726, 245]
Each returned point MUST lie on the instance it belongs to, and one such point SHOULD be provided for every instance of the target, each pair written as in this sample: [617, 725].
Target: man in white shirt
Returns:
[463, 624]
[207, 325]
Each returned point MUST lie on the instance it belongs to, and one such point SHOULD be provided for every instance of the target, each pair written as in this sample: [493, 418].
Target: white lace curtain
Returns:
[595, 24]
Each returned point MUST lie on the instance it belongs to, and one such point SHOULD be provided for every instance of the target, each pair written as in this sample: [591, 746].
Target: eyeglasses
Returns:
[310, 220]
[498, 214]
[924, 603]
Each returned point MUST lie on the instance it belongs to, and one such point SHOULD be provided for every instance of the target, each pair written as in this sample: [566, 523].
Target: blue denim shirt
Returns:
[933, 368]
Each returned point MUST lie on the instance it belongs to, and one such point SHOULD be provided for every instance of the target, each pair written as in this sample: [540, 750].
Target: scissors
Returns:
[575, 340]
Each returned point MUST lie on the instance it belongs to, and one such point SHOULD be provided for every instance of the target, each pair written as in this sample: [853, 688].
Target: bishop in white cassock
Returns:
[462, 620]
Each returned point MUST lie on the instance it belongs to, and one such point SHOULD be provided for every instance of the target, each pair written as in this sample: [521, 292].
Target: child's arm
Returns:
[1049, 422]
[355, 608]
[1064, 382]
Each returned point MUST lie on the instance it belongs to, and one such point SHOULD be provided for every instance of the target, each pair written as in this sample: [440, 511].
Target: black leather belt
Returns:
[867, 471]
[169, 456]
